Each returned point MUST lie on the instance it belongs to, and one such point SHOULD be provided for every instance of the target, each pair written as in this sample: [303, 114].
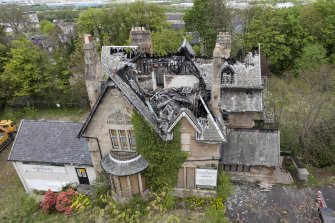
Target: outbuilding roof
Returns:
[252, 147]
[53, 142]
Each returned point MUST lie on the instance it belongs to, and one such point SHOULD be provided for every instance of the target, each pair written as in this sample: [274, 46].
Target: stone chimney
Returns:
[220, 52]
[142, 38]
[92, 70]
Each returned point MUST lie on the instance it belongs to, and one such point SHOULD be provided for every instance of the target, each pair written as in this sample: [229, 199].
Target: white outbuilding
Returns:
[48, 155]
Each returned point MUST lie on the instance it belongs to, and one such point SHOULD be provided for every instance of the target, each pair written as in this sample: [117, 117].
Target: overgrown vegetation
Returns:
[165, 158]
[225, 187]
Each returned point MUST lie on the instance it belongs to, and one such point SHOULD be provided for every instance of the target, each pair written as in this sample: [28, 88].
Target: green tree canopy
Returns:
[112, 26]
[25, 71]
[312, 57]
[319, 20]
[47, 27]
[31, 72]
[280, 34]
[166, 41]
[206, 17]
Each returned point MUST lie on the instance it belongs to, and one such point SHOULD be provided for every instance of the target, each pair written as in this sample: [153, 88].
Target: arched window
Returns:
[119, 118]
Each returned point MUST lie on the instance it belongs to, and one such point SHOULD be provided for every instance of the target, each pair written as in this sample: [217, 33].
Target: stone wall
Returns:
[241, 100]
[107, 117]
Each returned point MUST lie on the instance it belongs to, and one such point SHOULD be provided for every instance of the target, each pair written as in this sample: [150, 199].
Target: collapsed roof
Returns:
[163, 107]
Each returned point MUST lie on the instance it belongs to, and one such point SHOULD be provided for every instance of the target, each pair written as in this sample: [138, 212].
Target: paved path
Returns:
[281, 204]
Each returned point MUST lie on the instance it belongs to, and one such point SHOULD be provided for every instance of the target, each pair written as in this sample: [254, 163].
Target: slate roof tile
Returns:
[50, 142]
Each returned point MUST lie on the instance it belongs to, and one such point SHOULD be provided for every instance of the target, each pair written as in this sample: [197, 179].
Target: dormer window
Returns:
[227, 76]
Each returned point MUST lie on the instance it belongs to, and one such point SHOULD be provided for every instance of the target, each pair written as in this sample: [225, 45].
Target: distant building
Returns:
[176, 20]
[44, 42]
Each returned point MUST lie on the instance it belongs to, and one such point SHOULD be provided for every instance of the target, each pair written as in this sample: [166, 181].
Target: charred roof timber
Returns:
[165, 89]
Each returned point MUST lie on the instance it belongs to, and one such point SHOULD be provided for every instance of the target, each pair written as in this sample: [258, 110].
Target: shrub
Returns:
[49, 201]
[64, 201]
[217, 203]
[225, 186]
[80, 202]
[29, 205]
[169, 201]
[101, 184]
[196, 203]
[213, 215]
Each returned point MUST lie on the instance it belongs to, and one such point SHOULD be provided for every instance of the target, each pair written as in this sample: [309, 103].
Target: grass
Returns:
[14, 205]
[17, 115]
[319, 177]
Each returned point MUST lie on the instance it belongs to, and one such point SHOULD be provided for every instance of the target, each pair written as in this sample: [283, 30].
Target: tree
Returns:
[313, 56]
[304, 108]
[47, 27]
[206, 17]
[319, 19]
[166, 41]
[112, 26]
[280, 34]
[12, 16]
[25, 72]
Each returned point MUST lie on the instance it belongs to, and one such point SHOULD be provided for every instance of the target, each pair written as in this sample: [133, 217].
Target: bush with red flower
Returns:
[49, 201]
[64, 201]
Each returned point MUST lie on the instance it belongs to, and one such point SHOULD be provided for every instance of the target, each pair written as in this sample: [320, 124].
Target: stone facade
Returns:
[167, 91]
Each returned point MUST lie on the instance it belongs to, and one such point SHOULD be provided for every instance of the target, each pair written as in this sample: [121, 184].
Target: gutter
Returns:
[88, 137]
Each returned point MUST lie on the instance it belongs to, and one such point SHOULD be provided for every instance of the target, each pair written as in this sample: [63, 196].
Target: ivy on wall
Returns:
[165, 158]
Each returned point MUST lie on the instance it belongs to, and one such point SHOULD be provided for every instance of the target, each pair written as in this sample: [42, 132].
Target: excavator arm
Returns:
[2, 129]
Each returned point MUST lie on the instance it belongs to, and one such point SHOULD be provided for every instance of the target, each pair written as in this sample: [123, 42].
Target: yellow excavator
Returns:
[7, 132]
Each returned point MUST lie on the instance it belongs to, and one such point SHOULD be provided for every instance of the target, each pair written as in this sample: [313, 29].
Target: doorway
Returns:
[82, 176]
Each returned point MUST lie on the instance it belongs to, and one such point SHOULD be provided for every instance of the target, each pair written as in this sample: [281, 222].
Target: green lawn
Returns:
[17, 115]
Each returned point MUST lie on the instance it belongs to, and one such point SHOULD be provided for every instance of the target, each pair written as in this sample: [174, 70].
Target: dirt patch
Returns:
[323, 173]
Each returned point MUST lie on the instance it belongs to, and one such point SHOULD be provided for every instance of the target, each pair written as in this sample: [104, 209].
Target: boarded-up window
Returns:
[185, 140]
[135, 188]
[190, 178]
[180, 182]
[124, 187]
[143, 182]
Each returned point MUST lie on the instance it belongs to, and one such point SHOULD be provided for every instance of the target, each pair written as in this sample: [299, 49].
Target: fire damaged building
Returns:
[218, 104]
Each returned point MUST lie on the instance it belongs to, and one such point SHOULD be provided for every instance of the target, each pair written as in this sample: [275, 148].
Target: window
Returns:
[227, 77]
[185, 142]
[114, 138]
[123, 139]
[131, 137]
